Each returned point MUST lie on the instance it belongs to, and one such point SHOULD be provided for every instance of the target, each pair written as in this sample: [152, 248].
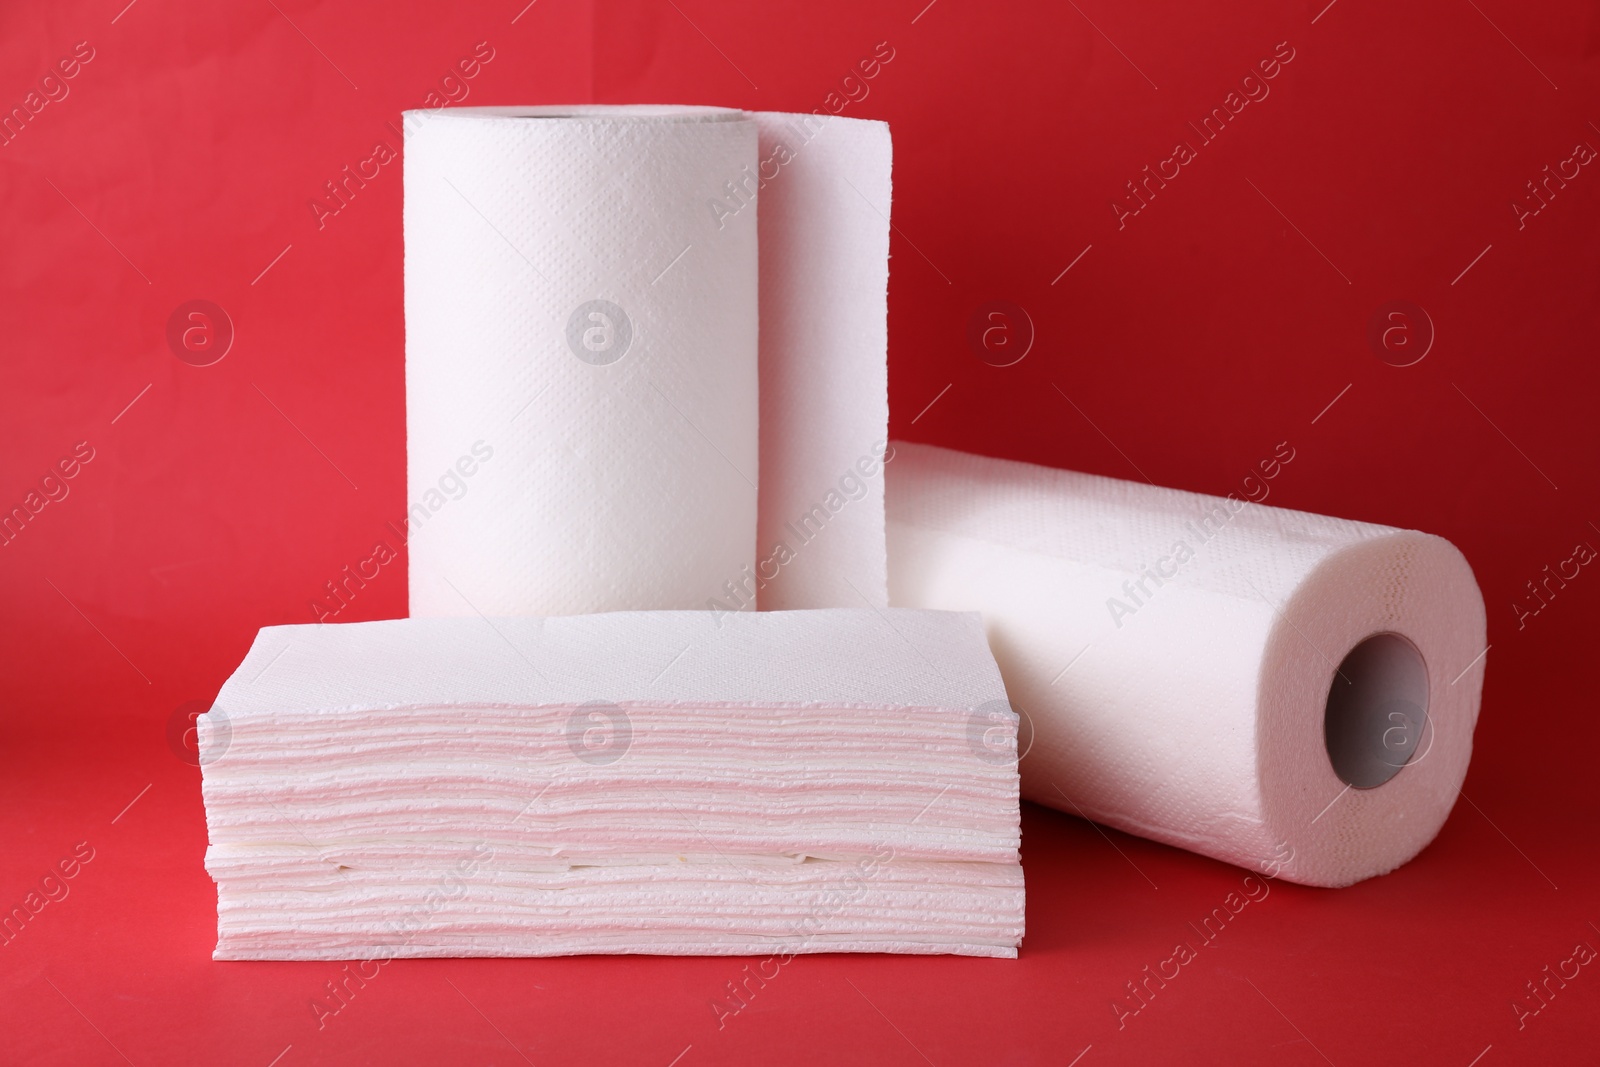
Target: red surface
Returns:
[1198, 336]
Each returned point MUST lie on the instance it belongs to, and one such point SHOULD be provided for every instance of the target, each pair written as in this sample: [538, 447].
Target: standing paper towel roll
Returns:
[1276, 689]
[581, 359]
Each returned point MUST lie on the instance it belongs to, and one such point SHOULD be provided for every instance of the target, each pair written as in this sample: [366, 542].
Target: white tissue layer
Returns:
[839, 780]
[1193, 713]
[623, 474]
[824, 361]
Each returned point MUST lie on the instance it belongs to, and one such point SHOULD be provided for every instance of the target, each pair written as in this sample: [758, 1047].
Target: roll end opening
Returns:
[1376, 716]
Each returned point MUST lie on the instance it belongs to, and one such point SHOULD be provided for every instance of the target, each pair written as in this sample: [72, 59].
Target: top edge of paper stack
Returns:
[882, 656]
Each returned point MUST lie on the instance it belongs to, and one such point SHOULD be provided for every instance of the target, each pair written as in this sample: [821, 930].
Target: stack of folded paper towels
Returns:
[661, 781]
[685, 675]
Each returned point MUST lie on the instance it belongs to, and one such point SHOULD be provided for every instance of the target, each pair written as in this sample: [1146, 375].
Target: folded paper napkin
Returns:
[686, 782]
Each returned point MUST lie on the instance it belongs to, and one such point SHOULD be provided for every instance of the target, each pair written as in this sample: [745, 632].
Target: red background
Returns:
[1190, 342]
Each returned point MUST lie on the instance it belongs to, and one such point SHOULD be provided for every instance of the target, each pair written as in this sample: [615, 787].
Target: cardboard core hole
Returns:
[1377, 710]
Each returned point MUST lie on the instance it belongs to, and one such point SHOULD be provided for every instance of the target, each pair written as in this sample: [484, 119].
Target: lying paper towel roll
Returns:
[585, 427]
[1280, 690]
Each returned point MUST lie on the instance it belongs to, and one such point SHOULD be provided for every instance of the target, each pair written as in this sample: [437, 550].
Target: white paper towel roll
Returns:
[1280, 690]
[582, 359]
[573, 309]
